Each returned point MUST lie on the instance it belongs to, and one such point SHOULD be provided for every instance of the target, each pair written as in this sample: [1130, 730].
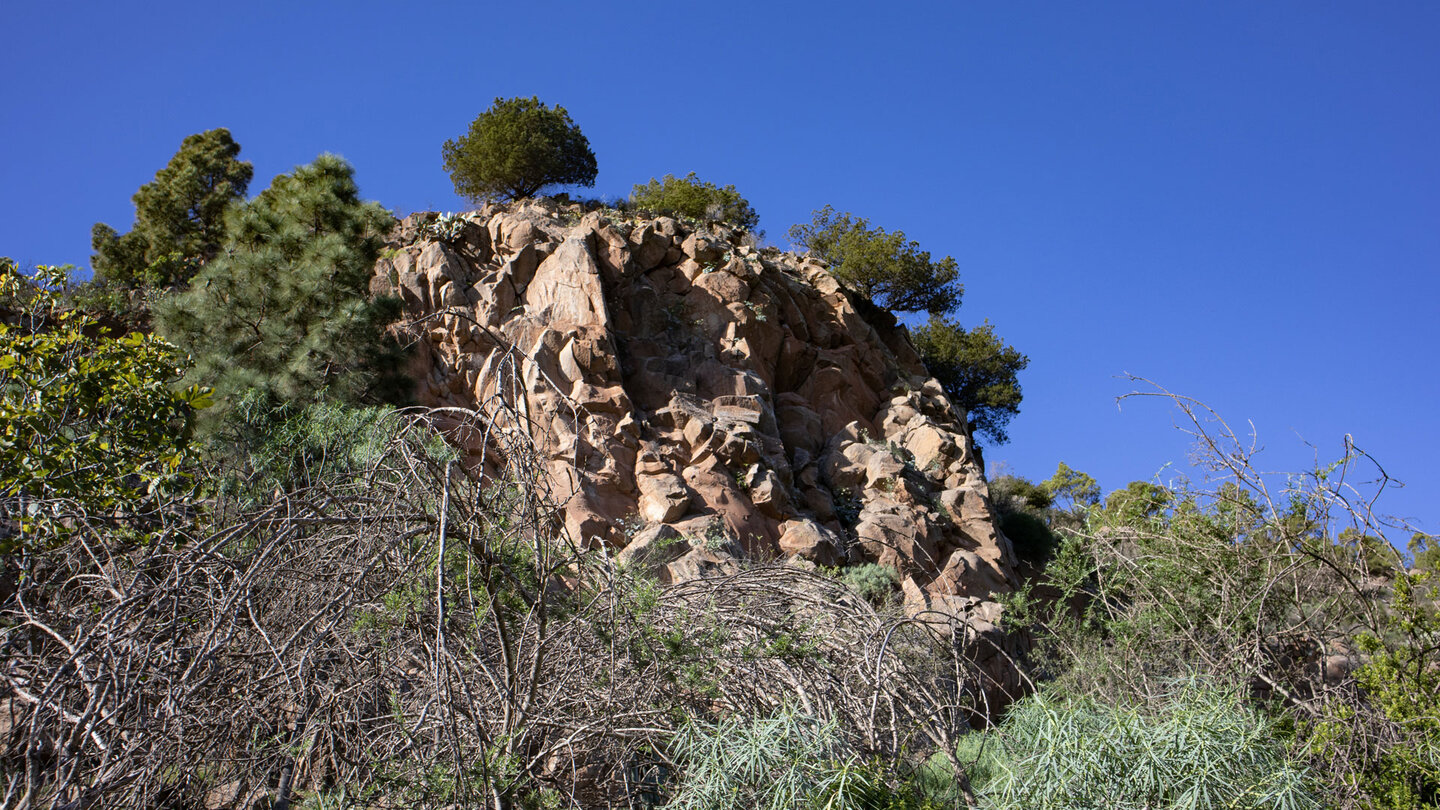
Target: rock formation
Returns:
[698, 400]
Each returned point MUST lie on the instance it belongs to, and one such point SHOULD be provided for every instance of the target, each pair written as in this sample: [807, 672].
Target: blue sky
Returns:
[1238, 200]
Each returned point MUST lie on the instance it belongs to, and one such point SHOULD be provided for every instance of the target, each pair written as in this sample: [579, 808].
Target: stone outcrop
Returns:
[697, 399]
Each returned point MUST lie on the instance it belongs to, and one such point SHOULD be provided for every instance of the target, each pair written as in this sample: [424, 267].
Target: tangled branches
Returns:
[408, 630]
[1280, 585]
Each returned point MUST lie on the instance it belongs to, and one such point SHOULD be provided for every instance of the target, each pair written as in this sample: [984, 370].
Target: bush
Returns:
[883, 267]
[1196, 747]
[976, 369]
[516, 148]
[781, 762]
[89, 423]
[689, 196]
[875, 583]
[1029, 536]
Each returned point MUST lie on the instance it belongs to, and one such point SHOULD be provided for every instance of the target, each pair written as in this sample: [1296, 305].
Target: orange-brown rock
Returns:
[679, 376]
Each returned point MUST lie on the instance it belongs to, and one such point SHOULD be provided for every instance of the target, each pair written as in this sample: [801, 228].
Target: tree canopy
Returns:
[284, 312]
[883, 266]
[692, 197]
[179, 217]
[977, 369]
[516, 148]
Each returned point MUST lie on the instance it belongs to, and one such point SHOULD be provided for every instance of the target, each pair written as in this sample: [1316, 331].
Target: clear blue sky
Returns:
[1239, 200]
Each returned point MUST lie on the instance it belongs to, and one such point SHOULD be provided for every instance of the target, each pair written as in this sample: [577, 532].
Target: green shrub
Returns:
[691, 197]
[1031, 538]
[874, 583]
[1197, 747]
[782, 762]
[1402, 680]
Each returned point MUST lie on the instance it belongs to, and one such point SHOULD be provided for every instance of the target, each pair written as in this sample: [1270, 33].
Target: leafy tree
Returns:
[885, 267]
[1426, 552]
[179, 217]
[1077, 487]
[1403, 681]
[516, 148]
[284, 314]
[692, 197]
[1137, 504]
[976, 369]
[89, 423]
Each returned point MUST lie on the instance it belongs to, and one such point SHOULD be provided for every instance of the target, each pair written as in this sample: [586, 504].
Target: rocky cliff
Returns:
[681, 382]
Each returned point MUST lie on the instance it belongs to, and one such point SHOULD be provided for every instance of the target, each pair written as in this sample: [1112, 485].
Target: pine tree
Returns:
[976, 369]
[179, 217]
[516, 148]
[283, 315]
[885, 267]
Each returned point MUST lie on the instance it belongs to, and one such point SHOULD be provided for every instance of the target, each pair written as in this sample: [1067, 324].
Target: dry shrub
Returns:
[404, 631]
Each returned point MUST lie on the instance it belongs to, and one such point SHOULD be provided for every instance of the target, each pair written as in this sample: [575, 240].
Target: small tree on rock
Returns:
[691, 197]
[976, 369]
[516, 148]
[179, 217]
[883, 266]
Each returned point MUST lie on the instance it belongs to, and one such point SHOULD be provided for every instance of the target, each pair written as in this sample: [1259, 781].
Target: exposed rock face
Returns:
[674, 375]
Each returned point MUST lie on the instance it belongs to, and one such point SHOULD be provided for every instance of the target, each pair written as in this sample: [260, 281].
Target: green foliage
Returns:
[1402, 679]
[691, 197]
[297, 445]
[1139, 503]
[284, 314]
[1030, 536]
[875, 583]
[782, 762]
[179, 217]
[1026, 513]
[1011, 493]
[89, 423]
[1425, 552]
[976, 369]
[516, 148]
[1080, 489]
[1196, 747]
[884, 267]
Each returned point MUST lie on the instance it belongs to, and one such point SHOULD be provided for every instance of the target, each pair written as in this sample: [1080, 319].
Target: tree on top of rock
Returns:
[179, 217]
[884, 267]
[516, 148]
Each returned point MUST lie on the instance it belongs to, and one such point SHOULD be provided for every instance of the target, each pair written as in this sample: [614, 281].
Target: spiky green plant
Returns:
[1199, 747]
[781, 762]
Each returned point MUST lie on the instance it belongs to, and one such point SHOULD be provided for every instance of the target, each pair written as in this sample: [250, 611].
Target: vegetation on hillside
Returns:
[285, 315]
[320, 606]
[977, 369]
